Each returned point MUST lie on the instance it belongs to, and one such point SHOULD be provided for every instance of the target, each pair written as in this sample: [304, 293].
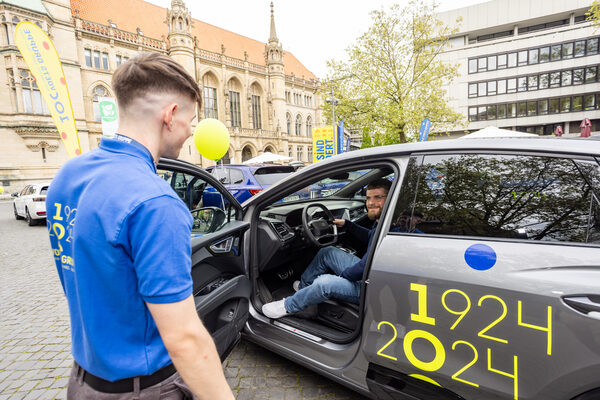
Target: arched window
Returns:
[180, 24]
[246, 153]
[269, 149]
[298, 125]
[235, 89]
[32, 98]
[99, 91]
[289, 123]
[308, 126]
[255, 104]
[209, 82]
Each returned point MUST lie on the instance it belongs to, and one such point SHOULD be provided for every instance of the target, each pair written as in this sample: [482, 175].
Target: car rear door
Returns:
[20, 200]
[490, 289]
[221, 286]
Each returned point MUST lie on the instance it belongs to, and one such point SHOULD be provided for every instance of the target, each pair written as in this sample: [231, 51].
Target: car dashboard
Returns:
[280, 230]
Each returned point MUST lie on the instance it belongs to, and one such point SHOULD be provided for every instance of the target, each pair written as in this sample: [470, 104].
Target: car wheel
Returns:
[30, 221]
[17, 216]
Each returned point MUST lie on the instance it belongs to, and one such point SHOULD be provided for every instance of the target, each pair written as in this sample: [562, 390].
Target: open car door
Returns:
[221, 287]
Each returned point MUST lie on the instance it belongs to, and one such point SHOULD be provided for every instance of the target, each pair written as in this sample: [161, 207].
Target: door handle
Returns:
[222, 246]
[586, 304]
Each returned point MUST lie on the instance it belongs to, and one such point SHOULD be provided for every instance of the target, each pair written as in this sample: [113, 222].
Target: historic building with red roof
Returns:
[266, 97]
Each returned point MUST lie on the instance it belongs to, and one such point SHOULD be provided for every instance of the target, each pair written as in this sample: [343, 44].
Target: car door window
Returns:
[205, 203]
[507, 196]
[236, 176]
[223, 175]
[24, 191]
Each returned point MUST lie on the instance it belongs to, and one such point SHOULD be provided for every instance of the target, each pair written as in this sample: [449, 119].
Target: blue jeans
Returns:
[317, 284]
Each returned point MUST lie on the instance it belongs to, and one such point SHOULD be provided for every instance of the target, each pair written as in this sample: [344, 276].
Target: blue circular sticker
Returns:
[480, 257]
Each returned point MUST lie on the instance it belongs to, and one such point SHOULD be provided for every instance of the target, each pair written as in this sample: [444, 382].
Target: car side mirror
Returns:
[207, 219]
[14, 194]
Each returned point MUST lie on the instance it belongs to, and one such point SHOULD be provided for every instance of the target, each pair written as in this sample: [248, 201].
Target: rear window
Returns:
[44, 190]
[271, 175]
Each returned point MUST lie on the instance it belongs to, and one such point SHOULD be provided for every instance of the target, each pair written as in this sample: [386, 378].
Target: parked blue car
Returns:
[243, 181]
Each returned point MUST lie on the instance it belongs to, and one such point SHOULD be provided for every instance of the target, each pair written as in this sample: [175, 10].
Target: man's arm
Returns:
[191, 348]
[359, 232]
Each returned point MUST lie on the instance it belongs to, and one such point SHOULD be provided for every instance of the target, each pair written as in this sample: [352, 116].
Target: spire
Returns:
[273, 34]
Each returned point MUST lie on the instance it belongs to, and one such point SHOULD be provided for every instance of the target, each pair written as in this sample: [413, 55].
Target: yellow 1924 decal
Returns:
[423, 317]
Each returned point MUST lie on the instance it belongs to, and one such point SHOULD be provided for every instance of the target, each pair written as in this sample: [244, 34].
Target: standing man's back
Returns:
[121, 242]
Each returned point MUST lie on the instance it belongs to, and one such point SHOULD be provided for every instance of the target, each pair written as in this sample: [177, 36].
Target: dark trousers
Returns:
[172, 388]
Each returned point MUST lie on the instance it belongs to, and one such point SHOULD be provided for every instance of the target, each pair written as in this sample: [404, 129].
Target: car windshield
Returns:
[327, 186]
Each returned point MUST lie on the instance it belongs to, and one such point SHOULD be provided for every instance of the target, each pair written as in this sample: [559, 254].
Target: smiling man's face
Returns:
[375, 201]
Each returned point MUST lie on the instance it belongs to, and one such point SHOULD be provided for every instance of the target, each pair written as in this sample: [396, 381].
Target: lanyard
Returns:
[135, 143]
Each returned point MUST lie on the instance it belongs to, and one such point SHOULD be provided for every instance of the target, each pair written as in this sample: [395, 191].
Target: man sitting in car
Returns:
[334, 273]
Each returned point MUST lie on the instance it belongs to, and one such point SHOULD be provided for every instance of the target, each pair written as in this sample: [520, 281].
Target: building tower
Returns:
[180, 40]
[275, 77]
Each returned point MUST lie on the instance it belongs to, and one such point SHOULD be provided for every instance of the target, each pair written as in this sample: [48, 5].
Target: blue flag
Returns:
[424, 131]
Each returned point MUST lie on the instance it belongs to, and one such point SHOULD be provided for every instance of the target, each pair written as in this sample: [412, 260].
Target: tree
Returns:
[393, 77]
[594, 13]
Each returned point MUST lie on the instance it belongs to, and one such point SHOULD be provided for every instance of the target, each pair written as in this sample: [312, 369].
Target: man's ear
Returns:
[168, 112]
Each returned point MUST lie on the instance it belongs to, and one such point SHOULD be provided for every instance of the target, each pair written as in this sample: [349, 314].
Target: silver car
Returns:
[482, 282]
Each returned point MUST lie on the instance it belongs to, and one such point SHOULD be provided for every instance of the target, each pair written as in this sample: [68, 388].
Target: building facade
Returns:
[268, 100]
[527, 65]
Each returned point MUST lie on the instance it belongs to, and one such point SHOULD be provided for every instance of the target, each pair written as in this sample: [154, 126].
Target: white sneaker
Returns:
[296, 286]
[275, 309]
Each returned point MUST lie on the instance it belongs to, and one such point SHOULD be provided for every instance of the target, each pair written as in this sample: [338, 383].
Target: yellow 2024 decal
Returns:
[422, 316]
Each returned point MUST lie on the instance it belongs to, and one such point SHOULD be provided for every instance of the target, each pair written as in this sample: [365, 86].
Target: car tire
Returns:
[30, 221]
[17, 216]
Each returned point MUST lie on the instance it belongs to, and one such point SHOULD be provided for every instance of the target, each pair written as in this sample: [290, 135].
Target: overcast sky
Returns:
[314, 30]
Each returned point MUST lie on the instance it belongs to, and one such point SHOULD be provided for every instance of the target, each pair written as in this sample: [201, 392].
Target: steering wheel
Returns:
[318, 229]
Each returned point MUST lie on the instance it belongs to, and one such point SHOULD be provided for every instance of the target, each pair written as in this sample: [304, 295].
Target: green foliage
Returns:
[393, 77]
[594, 13]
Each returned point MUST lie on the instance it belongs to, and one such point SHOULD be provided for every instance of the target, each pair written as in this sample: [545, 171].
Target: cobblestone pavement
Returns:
[35, 357]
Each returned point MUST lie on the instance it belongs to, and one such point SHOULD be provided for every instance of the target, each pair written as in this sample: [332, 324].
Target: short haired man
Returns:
[121, 242]
[334, 273]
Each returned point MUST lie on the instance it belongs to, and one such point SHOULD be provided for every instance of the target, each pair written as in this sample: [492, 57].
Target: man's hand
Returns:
[191, 348]
[339, 222]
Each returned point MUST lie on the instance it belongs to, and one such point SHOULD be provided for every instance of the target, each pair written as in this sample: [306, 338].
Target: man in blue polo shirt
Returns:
[121, 242]
[334, 273]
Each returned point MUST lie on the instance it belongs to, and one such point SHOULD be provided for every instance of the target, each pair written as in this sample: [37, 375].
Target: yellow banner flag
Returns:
[323, 143]
[43, 62]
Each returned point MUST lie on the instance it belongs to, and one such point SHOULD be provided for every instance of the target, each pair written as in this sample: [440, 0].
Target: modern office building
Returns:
[266, 97]
[527, 65]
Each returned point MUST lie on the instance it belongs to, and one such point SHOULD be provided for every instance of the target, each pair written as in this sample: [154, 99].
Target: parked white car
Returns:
[30, 203]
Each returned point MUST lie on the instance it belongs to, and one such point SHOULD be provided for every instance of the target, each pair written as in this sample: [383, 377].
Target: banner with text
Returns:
[109, 115]
[42, 59]
[323, 143]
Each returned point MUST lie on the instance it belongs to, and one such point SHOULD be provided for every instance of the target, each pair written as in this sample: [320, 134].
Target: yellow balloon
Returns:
[211, 138]
[1, 189]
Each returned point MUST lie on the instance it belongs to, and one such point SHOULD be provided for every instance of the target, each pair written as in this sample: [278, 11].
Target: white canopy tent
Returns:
[493, 132]
[265, 157]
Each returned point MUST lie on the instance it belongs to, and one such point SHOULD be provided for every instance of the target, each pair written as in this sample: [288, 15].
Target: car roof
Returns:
[552, 145]
[252, 167]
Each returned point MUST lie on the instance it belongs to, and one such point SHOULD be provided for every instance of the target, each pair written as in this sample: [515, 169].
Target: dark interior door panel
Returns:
[221, 288]
[224, 311]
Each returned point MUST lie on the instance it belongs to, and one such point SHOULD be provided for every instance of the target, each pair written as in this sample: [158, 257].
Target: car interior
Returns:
[292, 229]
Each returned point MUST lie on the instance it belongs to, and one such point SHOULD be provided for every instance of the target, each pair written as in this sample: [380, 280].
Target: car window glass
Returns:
[44, 190]
[236, 176]
[327, 186]
[208, 208]
[22, 192]
[509, 196]
[31, 190]
[222, 174]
